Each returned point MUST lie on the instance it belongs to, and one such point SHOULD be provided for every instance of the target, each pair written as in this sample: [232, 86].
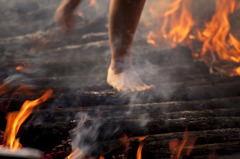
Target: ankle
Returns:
[120, 65]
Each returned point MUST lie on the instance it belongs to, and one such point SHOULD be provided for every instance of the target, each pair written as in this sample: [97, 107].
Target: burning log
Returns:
[156, 146]
[46, 137]
[214, 122]
[207, 141]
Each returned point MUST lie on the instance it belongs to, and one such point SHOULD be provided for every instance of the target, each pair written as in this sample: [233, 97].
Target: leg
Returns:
[64, 13]
[124, 16]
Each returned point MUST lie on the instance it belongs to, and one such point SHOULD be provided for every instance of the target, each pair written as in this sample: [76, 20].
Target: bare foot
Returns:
[127, 80]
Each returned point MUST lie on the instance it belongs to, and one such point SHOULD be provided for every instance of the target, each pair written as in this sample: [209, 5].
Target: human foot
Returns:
[64, 14]
[127, 80]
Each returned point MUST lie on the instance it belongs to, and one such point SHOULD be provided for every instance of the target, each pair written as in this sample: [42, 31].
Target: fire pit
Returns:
[192, 113]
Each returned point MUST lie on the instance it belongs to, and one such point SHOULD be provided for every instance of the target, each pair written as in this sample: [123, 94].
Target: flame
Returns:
[176, 27]
[150, 38]
[92, 2]
[15, 120]
[139, 151]
[237, 71]
[76, 154]
[216, 36]
[183, 148]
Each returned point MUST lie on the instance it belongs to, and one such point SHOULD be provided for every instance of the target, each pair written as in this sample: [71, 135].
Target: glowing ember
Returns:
[15, 120]
[196, 55]
[19, 68]
[176, 27]
[216, 36]
[183, 148]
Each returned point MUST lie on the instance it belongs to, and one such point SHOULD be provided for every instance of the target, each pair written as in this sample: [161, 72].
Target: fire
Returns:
[15, 120]
[176, 27]
[216, 37]
[150, 38]
[183, 148]
[92, 2]
[139, 151]
[74, 154]
[237, 71]
[219, 45]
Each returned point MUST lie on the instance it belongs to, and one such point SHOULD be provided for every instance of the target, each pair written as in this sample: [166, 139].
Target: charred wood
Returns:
[45, 136]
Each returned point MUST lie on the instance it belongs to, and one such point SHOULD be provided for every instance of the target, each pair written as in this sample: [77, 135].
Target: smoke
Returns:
[85, 137]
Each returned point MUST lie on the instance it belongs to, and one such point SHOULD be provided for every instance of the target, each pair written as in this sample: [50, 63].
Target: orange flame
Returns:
[73, 153]
[76, 154]
[176, 27]
[216, 36]
[178, 150]
[139, 151]
[237, 71]
[16, 119]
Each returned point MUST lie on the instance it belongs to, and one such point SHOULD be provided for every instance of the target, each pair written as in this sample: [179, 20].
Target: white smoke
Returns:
[84, 137]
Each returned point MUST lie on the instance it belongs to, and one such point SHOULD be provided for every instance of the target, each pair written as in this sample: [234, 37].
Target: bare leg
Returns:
[64, 13]
[124, 16]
